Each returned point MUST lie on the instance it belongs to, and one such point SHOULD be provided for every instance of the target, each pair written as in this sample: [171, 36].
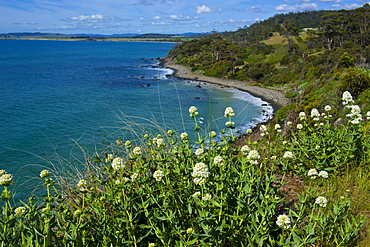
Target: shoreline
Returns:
[274, 97]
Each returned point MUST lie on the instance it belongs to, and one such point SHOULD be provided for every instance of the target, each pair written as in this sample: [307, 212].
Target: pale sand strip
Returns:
[276, 98]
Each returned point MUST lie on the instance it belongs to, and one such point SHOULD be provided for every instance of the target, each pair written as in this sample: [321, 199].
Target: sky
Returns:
[149, 16]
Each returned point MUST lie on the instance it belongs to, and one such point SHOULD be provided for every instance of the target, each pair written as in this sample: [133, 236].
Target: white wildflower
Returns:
[253, 156]
[347, 98]
[283, 221]
[200, 173]
[117, 163]
[218, 160]
[302, 116]
[245, 149]
[315, 114]
[206, 197]
[199, 151]
[288, 155]
[229, 124]
[212, 134]
[368, 115]
[263, 130]
[196, 194]
[229, 112]
[6, 179]
[299, 126]
[184, 136]
[44, 173]
[312, 173]
[160, 142]
[137, 151]
[20, 211]
[193, 111]
[323, 174]
[158, 175]
[322, 201]
[278, 127]
[327, 108]
[134, 176]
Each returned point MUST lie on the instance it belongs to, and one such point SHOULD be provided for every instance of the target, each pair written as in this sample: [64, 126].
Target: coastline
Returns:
[274, 97]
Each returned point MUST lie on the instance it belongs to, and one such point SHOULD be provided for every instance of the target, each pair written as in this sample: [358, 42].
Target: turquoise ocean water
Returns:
[54, 94]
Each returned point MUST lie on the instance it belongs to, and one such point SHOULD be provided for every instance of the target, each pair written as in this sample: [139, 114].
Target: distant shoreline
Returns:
[274, 97]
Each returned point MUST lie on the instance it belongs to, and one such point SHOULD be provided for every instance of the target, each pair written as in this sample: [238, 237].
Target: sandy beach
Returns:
[275, 98]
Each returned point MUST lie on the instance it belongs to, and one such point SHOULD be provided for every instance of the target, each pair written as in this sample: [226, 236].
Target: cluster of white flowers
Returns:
[158, 175]
[229, 124]
[253, 156]
[134, 176]
[283, 221]
[327, 108]
[117, 163]
[206, 197]
[196, 194]
[200, 173]
[302, 116]
[245, 149]
[193, 111]
[199, 151]
[312, 173]
[278, 128]
[137, 151]
[368, 115]
[347, 98]
[44, 174]
[20, 211]
[288, 155]
[315, 114]
[218, 160]
[263, 130]
[321, 201]
[229, 112]
[5, 179]
[184, 136]
[355, 114]
[299, 126]
[160, 142]
[212, 134]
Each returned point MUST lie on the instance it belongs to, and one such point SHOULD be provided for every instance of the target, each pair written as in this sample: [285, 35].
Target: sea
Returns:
[61, 101]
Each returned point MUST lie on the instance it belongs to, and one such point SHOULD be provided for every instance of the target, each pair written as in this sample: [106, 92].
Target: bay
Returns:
[58, 95]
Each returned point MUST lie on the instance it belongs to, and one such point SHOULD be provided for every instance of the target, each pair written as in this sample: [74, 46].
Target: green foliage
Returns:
[356, 81]
[346, 60]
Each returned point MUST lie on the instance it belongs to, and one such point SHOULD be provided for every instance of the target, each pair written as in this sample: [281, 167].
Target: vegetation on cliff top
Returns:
[312, 56]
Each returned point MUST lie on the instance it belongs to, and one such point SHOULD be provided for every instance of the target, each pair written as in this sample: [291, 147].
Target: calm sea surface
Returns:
[56, 95]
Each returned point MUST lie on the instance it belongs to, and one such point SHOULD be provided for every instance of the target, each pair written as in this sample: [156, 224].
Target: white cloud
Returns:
[203, 8]
[181, 17]
[331, 1]
[254, 9]
[89, 18]
[301, 7]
